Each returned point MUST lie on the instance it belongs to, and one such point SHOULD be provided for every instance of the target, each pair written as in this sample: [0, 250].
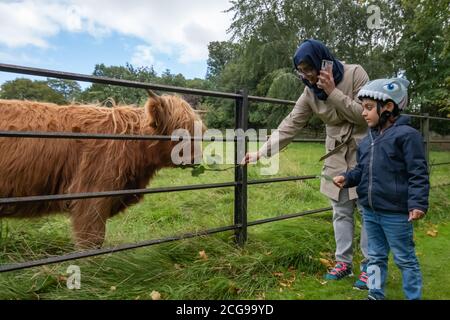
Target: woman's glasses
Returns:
[303, 74]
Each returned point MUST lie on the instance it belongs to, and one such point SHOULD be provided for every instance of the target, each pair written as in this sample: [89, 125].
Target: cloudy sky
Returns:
[74, 35]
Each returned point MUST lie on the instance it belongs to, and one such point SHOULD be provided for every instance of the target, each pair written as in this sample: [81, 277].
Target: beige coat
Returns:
[341, 109]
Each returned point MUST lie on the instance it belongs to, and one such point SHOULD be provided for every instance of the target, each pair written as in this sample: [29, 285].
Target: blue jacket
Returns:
[392, 172]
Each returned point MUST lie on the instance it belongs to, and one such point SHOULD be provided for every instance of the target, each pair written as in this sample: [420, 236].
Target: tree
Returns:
[167, 78]
[412, 39]
[121, 95]
[220, 53]
[22, 89]
[266, 34]
[281, 84]
[425, 54]
[70, 89]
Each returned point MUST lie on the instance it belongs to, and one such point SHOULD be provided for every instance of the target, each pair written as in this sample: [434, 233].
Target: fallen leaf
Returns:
[286, 281]
[113, 288]
[232, 288]
[155, 295]
[323, 282]
[261, 296]
[278, 274]
[432, 233]
[327, 255]
[327, 263]
[203, 255]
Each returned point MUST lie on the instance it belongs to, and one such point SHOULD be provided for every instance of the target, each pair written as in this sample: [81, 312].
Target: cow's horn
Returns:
[152, 94]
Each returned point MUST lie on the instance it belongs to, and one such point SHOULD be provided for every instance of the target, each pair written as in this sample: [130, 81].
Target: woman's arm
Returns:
[349, 108]
[288, 128]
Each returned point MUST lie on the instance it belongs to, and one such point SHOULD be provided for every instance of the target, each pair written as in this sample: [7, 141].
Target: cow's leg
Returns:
[89, 222]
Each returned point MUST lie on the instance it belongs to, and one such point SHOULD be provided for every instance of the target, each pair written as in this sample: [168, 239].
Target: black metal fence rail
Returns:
[100, 136]
[117, 193]
[240, 182]
[132, 84]
[439, 164]
[135, 84]
[123, 247]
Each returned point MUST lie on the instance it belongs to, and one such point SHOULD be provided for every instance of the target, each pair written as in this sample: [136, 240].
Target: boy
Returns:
[392, 184]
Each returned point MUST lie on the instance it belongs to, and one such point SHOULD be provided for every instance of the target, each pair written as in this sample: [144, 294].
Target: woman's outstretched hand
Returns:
[251, 157]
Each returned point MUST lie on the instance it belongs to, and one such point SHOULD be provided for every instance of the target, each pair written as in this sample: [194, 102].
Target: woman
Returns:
[332, 96]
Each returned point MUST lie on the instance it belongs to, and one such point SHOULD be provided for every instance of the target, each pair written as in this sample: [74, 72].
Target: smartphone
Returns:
[327, 65]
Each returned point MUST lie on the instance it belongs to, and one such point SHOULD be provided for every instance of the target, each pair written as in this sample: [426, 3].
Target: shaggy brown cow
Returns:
[35, 166]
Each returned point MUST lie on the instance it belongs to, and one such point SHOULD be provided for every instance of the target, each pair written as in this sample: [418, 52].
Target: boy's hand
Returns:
[416, 214]
[326, 81]
[339, 181]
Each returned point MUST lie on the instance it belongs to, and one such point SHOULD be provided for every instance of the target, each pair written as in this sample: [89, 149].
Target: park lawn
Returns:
[281, 260]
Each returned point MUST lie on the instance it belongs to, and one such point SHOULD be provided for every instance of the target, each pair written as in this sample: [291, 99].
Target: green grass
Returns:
[279, 261]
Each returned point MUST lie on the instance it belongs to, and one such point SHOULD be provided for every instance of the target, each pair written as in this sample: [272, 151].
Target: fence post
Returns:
[426, 136]
[240, 172]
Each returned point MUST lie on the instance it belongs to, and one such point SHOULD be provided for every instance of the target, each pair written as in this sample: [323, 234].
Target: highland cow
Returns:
[38, 166]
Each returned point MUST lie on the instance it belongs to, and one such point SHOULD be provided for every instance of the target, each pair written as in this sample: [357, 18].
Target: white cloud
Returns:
[181, 28]
[143, 55]
[17, 58]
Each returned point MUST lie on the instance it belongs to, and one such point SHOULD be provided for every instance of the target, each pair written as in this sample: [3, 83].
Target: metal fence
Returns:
[240, 183]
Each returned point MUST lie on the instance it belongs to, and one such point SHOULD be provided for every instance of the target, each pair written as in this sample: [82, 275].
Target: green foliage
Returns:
[413, 39]
[424, 53]
[70, 90]
[121, 95]
[220, 53]
[219, 115]
[281, 84]
[30, 90]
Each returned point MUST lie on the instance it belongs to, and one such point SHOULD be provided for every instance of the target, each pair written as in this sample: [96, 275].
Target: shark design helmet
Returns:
[395, 89]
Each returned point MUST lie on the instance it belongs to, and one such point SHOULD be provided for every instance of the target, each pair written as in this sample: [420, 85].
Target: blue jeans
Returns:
[391, 231]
